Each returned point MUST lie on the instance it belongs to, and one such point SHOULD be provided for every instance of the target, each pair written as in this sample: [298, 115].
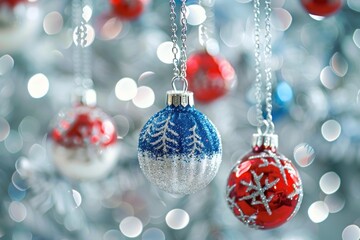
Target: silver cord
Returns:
[81, 52]
[179, 64]
[267, 122]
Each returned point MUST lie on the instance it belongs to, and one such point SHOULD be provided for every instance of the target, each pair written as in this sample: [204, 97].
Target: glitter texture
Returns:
[179, 150]
[264, 189]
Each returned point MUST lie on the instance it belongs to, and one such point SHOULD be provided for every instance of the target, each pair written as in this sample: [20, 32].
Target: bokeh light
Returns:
[6, 64]
[126, 89]
[197, 14]
[17, 211]
[53, 23]
[351, 232]
[111, 28]
[153, 234]
[77, 198]
[331, 130]
[38, 85]
[177, 219]
[330, 182]
[4, 129]
[144, 98]
[318, 212]
[304, 154]
[131, 227]
[335, 203]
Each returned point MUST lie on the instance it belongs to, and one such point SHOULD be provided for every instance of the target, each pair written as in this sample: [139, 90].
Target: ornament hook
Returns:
[183, 80]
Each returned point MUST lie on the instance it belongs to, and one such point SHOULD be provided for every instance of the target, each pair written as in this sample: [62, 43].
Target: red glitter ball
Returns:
[209, 77]
[322, 7]
[128, 9]
[11, 3]
[82, 126]
[264, 189]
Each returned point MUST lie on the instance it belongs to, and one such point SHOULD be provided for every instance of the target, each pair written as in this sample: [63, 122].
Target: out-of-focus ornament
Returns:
[210, 77]
[179, 148]
[264, 189]
[11, 3]
[84, 141]
[128, 9]
[322, 7]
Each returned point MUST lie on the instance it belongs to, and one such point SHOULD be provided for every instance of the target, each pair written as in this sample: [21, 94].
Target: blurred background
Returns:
[316, 72]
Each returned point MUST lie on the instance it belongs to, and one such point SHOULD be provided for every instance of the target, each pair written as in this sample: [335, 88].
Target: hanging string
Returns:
[81, 52]
[206, 28]
[270, 128]
[179, 64]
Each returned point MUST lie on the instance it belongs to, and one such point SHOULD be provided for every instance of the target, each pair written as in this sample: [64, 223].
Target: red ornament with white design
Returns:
[264, 189]
[322, 7]
[209, 77]
[128, 9]
[84, 142]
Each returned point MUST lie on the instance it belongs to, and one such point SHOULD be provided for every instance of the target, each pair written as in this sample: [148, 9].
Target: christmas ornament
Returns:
[264, 189]
[210, 77]
[84, 142]
[179, 148]
[128, 9]
[322, 7]
[11, 3]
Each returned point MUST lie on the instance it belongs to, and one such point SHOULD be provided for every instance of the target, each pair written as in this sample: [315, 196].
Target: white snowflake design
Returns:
[297, 190]
[161, 133]
[259, 191]
[277, 163]
[195, 144]
[247, 220]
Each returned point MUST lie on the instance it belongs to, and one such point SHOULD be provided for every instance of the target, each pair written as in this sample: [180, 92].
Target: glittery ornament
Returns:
[322, 7]
[179, 148]
[128, 9]
[209, 77]
[84, 139]
[264, 189]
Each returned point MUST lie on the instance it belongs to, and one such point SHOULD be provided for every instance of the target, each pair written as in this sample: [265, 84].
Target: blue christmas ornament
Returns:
[179, 147]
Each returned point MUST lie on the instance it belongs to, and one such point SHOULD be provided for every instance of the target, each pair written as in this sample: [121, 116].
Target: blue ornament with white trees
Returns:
[179, 147]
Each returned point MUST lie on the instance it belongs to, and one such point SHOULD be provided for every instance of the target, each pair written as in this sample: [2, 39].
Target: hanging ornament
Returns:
[322, 7]
[128, 9]
[210, 77]
[84, 137]
[84, 141]
[264, 189]
[179, 148]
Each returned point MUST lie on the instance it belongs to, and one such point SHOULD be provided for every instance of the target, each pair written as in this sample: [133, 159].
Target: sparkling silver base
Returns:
[183, 98]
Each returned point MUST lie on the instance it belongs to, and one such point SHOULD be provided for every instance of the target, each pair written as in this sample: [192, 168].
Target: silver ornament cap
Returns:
[266, 140]
[177, 98]
[86, 97]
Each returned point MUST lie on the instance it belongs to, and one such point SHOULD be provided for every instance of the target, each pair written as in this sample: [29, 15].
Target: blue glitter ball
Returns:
[179, 150]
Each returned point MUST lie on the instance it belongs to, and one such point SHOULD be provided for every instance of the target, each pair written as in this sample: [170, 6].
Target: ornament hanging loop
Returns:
[269, 128]
[181, 79]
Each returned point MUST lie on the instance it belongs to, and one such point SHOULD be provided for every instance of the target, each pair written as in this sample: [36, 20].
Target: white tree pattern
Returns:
[259, 191]
[147, 131]
[195, 144]
[277, 163]
[161, 133]
[247, 220]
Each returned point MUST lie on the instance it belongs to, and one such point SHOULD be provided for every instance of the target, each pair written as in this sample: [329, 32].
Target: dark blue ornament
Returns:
[179, 148]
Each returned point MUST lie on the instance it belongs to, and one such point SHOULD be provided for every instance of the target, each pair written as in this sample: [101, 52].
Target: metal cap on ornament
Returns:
[265, 140]
[85, 97]
[177, 98]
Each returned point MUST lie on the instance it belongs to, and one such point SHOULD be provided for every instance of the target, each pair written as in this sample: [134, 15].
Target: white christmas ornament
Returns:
[179, 148]
[84, 143]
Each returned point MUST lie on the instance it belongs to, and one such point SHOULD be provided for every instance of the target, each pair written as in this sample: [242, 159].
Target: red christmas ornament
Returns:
[11, 3]
[322, 7]
[128, 9]
[82, 126]
[84, 142]
[264, 189]
[209, 77]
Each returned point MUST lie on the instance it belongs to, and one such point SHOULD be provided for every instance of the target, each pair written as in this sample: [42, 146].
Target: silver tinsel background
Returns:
[316, 64]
